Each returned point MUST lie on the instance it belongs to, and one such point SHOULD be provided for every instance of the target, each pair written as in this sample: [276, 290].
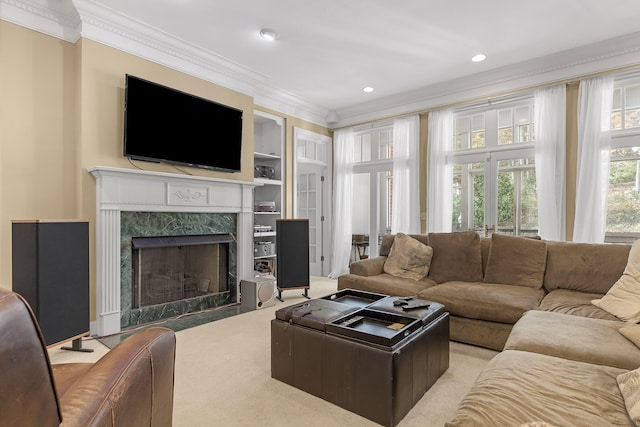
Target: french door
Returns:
[371, 210]
[495, 191]
[312, 195]
[309, 196]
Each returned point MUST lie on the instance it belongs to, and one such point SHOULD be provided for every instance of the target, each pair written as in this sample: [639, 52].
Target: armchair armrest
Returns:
[131, 385]
[368, 267]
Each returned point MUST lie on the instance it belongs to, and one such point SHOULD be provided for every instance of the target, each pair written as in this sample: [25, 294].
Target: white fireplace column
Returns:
[134, 190]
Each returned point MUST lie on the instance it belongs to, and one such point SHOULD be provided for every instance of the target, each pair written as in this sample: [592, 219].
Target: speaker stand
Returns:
[76, 345]
[305, 294]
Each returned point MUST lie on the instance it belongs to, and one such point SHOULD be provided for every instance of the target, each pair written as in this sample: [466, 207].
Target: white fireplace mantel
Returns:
[136, 190]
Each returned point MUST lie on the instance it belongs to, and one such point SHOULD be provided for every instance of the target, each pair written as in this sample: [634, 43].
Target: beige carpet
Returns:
[223, 376]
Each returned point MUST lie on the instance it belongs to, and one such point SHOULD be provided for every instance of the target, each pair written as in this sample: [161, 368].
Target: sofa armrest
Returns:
[131, 385]
[368, 267]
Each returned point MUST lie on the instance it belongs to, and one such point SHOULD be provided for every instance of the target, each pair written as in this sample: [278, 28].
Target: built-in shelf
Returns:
[265, 156]
[268, 152]
[264, 234]
[266, 181]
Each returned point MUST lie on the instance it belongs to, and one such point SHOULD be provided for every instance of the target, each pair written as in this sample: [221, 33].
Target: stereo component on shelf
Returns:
[264, 249]
[262, 171]
[265, 206]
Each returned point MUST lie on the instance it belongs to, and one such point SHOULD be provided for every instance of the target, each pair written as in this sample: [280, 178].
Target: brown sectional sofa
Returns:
[483, 312]
[560, 354]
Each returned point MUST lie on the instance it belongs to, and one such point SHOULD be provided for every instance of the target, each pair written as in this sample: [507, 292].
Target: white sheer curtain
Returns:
[595, 98]
[342, 201]
[405, 212]
[439, 172]
[550, 122]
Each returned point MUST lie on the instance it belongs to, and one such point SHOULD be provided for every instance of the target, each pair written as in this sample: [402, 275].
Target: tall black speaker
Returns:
[50, 269]
[292, 254]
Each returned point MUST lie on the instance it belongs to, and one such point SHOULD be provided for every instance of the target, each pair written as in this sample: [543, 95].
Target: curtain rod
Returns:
[496, 96]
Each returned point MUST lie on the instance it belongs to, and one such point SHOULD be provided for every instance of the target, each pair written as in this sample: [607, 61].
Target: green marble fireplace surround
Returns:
[151, 224]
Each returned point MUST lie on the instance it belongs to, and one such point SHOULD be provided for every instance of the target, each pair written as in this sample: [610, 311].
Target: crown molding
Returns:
[279, 100]
[70, 20]
[111, 28]
[610, 55]
[62, 22]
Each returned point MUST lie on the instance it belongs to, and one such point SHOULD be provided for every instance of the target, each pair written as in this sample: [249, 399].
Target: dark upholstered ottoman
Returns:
[339, 352]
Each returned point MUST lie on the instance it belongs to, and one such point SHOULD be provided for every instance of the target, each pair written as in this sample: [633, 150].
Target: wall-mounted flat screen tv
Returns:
[166, 125]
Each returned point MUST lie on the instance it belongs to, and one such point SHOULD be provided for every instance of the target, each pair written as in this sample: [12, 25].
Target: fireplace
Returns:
[173, 268]
[135, 203]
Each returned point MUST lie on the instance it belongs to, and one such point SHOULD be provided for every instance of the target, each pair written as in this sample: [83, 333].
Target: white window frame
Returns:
[373, 167]
[624, 138]
[492, 152]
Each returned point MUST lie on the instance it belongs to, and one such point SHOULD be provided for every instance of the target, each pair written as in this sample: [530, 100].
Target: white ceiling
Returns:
[328, 50]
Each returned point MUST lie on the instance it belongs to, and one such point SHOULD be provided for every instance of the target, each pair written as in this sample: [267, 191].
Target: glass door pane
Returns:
[469, 197]
[360, 214]
[497, 194]
[517, 203]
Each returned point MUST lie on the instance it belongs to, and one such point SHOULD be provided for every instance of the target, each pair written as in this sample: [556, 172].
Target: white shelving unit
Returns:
[268, 152]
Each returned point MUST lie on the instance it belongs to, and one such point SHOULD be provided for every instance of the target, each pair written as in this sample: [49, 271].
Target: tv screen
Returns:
[166, 125]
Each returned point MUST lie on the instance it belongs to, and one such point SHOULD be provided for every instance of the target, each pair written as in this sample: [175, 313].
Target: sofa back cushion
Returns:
[584, 267]
[456, 257]
[516, 261]
[485, 244]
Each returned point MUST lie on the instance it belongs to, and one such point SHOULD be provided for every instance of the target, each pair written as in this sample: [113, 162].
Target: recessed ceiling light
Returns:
[479, 58]
[268, 34]
[368, 89]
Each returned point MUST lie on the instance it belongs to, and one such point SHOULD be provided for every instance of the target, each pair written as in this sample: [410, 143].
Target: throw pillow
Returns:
[623, 299]
[632, 333]
[456, 256]
[516, 261]
[408, 258]
[629, 385]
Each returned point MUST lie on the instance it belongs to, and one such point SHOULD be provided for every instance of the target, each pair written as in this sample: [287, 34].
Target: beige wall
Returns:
[62, 111]
[571, 156]
[39, 170]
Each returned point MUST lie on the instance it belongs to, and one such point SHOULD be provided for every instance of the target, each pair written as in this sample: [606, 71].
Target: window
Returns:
[623, 204]
[626, 107]
[494, 185]
[372, 181]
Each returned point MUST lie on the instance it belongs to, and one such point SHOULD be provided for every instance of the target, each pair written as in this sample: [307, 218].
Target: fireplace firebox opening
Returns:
[173, 268]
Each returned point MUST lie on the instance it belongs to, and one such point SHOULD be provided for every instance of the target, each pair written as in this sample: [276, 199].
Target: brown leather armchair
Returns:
[132, 385]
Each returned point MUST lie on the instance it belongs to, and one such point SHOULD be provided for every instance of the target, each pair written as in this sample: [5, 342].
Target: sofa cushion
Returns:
[456, 256]
[575, 303]
[384, 284]
[584, 267]
[516, 261]
[632, 333]
[629, 384]
[623, 299]
[387, 242]
[576, 338]
[518, 386]
[484, 301]
[408, 258]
